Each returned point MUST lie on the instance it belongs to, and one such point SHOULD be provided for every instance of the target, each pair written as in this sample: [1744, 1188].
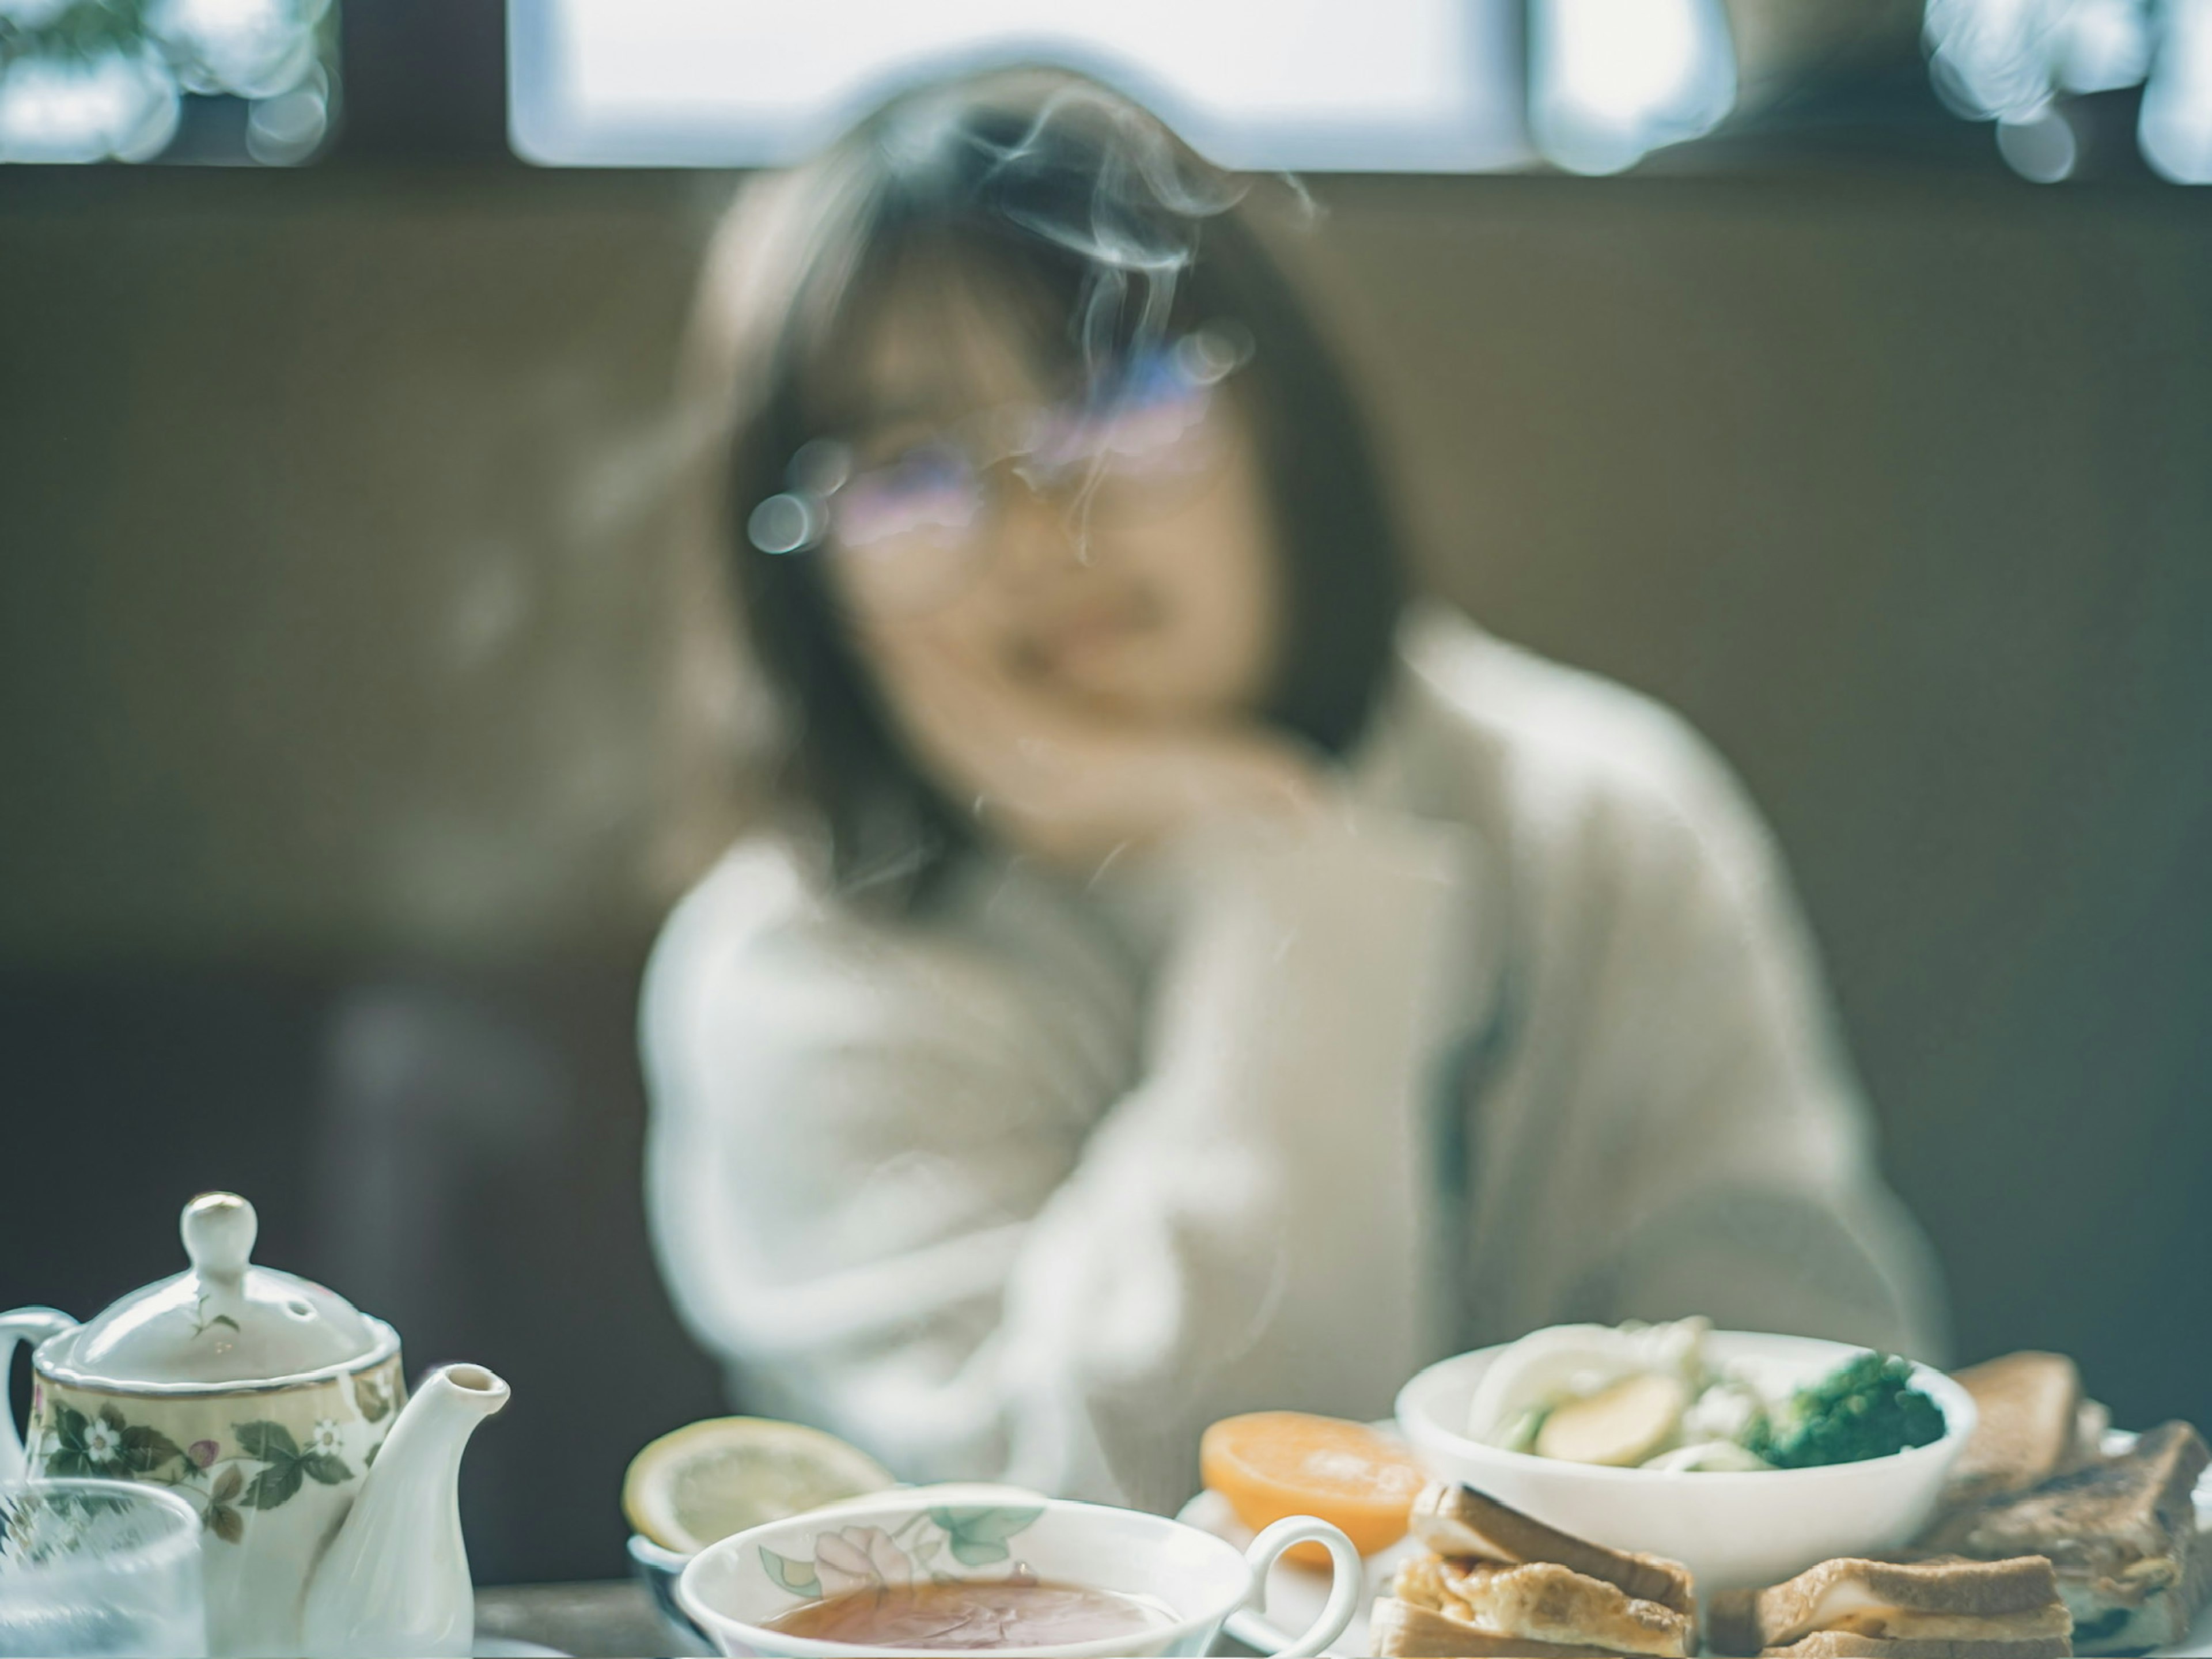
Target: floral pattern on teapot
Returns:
[229, 1456]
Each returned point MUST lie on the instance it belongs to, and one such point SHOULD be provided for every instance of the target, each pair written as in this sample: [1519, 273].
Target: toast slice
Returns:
[1945, 1602]
[2029, 1406]
[1400, 1630]
[1847, 1644]
[2102, 1519]
[2090, 1426]
[1542, 1602]
[1459, 1522]
[2121, 1530]
[2152, 1609]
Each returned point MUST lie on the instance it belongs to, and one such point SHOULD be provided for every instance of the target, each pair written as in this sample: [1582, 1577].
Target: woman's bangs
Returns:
[970, 314]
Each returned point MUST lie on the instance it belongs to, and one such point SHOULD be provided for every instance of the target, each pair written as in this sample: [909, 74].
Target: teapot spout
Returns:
[395, 1580]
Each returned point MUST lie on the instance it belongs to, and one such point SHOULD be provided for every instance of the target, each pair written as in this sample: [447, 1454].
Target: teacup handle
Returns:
[32, 1325]
[1347, 1578]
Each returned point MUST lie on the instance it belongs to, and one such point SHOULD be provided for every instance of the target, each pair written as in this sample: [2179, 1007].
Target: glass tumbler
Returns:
[100, 1567]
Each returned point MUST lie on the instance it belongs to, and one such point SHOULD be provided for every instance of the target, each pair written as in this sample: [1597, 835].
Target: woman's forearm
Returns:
[883, 1211]
[1249, 1227]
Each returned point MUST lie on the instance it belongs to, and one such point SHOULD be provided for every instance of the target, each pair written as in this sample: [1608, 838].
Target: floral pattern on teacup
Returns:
[860, 1556]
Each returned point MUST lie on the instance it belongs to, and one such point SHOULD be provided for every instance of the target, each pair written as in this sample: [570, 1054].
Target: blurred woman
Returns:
[1187, 978]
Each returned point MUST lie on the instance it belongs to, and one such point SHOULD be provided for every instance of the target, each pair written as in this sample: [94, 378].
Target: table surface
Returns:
[593, 1621]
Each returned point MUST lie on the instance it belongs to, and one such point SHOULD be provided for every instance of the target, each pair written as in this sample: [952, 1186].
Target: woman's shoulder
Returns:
[761, 939]
[759, 895]
[1546, 745]
[760, 944]
[762, 923]
[720, 945]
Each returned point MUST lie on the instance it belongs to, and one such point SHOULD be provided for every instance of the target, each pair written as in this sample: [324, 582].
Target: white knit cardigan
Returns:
[1527, 1029]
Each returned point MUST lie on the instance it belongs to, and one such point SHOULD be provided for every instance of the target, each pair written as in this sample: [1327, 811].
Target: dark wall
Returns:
[335, 632]
[1901, 488]
[455, 1148]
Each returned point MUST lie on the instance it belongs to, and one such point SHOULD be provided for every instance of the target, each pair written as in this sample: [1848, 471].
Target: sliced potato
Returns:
[1619, 1425]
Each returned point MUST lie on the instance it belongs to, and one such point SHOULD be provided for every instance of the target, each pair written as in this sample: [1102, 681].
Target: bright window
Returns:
[1319, 85]
[2020, 61]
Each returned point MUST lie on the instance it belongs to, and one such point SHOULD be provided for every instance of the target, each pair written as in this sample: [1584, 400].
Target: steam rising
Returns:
[1133, 218]
[1137, 233]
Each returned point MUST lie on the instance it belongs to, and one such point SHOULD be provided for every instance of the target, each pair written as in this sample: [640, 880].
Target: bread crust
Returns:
[1850, 1594]
[1399, 1630]
[1732, 1623]
[2146, 1610]
[1847, 1644]
[2098, 1519]
[2028, 1407]
[1424, 1582]
[1978, 1589]
[1549, 1602]
[1459, 1522]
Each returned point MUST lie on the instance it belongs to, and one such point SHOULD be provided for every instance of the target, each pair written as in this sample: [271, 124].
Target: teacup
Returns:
[733, 1590]
[658, 1568]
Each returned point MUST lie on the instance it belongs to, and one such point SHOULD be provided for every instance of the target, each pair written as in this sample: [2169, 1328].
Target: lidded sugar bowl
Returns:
[279, 1410]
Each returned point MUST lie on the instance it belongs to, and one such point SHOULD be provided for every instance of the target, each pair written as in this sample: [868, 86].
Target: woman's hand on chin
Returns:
[1071, 785]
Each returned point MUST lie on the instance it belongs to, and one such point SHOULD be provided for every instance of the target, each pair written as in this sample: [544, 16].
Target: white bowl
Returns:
[1732, 1530]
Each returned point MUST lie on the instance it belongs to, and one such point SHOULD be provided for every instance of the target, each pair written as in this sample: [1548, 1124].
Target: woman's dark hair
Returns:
[1055, 199]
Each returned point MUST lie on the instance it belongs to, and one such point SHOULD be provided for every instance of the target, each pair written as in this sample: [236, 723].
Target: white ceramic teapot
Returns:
[279, 1410]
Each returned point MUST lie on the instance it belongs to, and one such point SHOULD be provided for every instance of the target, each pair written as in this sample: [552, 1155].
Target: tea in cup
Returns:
[910, 1573]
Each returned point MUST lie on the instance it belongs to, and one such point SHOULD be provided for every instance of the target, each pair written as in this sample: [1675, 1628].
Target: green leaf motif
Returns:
[226, 1523]
[145, 1449]
[113, 1418]
[326, 1467]
[227, 1486]
[979, 1535]
[791, 1575]
[69, 1458]
[372, 1396]
[224, 1319]
[275, 1485]
[270, 1442]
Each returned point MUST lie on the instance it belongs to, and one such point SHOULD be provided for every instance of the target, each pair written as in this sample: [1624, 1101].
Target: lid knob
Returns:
[225, 1320]
[218, 1230]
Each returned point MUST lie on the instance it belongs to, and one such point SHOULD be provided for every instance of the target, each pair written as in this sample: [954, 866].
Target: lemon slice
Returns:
[706, 1480]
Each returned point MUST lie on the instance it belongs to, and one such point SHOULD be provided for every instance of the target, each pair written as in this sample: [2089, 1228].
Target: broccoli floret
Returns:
[1867, 1408]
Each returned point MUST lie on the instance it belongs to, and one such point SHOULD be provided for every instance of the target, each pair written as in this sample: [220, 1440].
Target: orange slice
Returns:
[1271, 1464]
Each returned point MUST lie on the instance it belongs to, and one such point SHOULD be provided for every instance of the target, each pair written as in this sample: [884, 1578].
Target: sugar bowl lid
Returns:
[225, 1321]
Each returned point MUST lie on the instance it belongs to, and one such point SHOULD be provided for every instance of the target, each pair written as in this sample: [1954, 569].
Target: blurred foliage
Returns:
[80, 28]
[85, 80]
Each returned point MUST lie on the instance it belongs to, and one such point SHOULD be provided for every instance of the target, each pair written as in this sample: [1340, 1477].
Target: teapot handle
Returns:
[34, 1325]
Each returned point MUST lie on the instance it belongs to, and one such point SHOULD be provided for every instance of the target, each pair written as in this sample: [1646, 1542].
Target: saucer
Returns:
[1295, 1594]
